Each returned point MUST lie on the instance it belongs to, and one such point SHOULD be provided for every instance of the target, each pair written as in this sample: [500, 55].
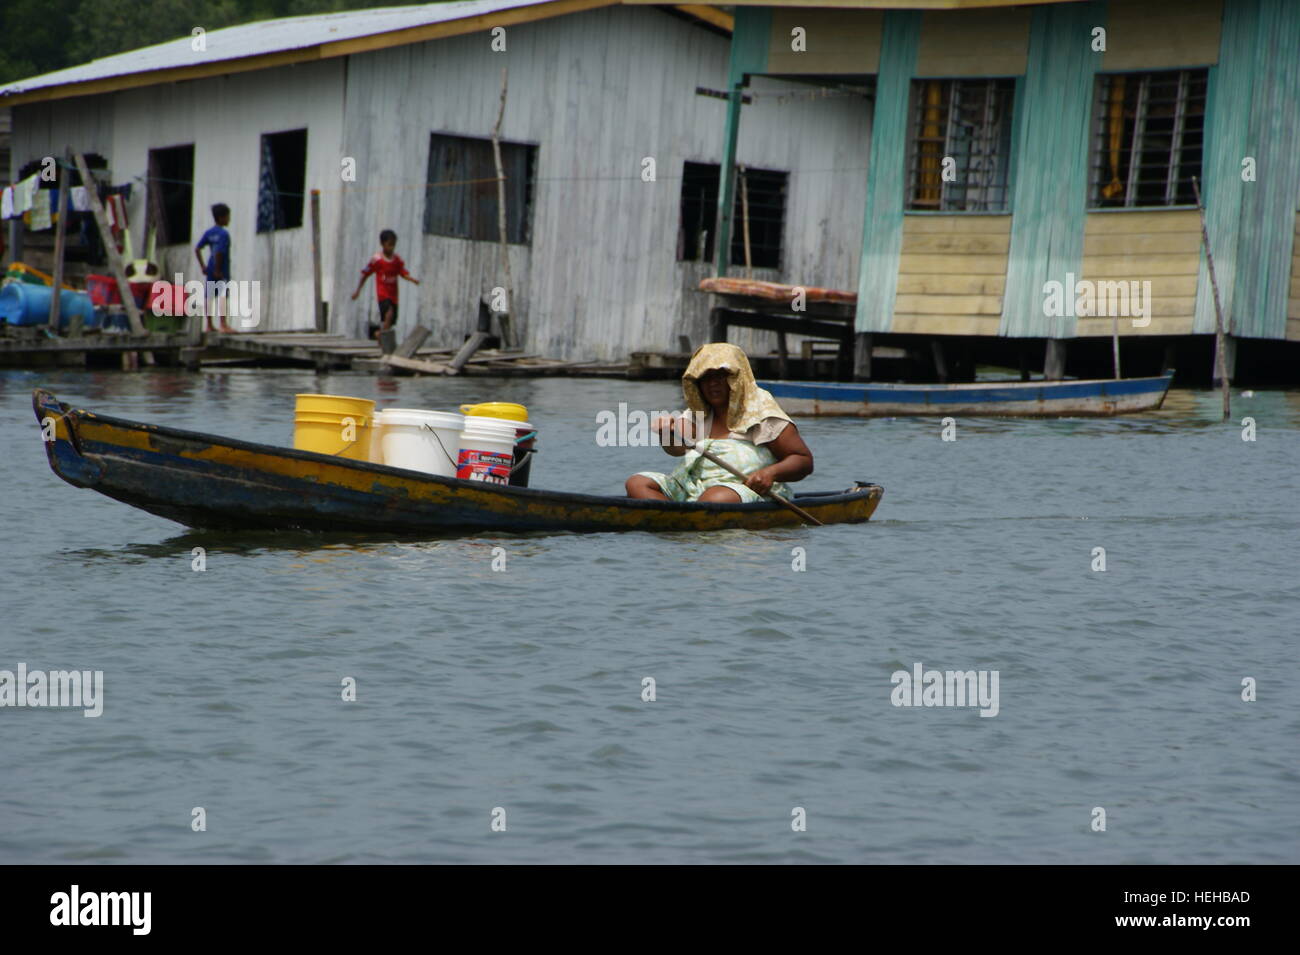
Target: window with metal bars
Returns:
[969, 122]
[1148, 136]
[759, 207]
[461, 197]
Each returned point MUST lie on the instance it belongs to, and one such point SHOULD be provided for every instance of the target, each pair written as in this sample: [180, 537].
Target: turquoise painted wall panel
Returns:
[750, 41]
[1266, 233]
[1049, 201]
[1227, 119]
[882, 235]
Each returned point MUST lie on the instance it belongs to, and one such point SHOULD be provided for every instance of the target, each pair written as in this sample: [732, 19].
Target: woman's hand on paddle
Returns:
[663, 426]
[673, 433]
[760, 482]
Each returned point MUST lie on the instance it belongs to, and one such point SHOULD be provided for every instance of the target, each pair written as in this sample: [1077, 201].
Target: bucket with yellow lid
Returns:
[506, 410]
[525, 433]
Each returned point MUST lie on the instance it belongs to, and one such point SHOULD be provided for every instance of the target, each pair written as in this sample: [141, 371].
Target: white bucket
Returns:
[376, 438]
[487, 450]
[421, 440]
[525, 445]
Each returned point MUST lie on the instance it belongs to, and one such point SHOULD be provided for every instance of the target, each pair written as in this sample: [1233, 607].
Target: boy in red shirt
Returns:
[386, 267]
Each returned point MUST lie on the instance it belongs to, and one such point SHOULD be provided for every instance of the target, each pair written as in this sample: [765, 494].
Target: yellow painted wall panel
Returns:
[1143, 243]
[838, 41]
[910, 324]
[1101, 327]
[923, 224]
[1122, 223]
[951, 284]
[956, 264]
[967, 244]
[1165, 306]
[1144, 35]
[973, 42]
[1137, 267]
[949, 304]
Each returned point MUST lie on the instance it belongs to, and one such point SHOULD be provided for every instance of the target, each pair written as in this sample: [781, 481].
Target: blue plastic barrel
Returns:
[23, 304]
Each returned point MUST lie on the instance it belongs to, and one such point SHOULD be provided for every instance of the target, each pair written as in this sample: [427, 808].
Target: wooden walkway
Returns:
[13, 345]
[32, 347]
[335, 352]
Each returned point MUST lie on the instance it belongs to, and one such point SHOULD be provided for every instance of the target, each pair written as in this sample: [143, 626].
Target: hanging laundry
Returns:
[116, 211]
[7, 203]
[24, 192]
[78, 201]
[41, 209]
[270, 213]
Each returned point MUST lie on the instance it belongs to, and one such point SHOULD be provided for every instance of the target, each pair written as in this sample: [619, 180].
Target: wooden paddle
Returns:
[710, 456]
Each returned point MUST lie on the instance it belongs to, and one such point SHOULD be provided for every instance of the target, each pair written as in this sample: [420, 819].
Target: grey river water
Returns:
[521, 690]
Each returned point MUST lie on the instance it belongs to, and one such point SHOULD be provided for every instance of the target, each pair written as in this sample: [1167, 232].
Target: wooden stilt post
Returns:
[744, 219]
[717, 324]
[62, 183]
[940, 360]
[862, 356]
[1114, 338]
[504, 319]
[1054, 360]
[322, 323]
[1220, 334]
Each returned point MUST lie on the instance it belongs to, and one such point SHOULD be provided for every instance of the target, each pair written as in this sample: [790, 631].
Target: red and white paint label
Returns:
[491, 467]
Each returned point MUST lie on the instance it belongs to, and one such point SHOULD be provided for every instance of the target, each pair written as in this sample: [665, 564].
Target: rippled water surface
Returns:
[522, 689]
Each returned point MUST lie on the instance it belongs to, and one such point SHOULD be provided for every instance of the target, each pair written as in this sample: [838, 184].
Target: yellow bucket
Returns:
[506, 410]
[333, 424]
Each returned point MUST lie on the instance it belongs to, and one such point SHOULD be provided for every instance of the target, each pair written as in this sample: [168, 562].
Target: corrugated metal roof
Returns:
[266, 36]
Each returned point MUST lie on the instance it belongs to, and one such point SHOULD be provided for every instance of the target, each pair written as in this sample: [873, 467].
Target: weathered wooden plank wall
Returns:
[1157, 246]
[597, 93]
[224, 118]
[951, 274]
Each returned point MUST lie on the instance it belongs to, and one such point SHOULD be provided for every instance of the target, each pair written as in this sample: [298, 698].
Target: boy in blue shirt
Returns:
[217, 268]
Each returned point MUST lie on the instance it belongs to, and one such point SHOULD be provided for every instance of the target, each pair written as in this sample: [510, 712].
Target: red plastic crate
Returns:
[103, 290]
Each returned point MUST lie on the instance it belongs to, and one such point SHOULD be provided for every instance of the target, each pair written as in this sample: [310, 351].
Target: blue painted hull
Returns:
[1013, 398]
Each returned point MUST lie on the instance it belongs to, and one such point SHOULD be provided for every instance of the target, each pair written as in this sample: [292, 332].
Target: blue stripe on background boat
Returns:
[996, 398]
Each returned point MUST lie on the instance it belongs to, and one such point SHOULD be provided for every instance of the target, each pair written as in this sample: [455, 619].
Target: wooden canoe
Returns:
[206, 481]
[1044, 399]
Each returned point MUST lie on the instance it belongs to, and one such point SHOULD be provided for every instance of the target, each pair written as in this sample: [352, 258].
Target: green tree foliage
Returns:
[41, 36]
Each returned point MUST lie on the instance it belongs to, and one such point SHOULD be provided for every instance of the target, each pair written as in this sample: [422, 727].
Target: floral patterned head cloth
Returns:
[749, 404]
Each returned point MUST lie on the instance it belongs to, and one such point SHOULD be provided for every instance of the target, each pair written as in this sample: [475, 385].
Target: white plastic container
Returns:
[487, 450]
[418, 440]
[376, 438]
[525, 444]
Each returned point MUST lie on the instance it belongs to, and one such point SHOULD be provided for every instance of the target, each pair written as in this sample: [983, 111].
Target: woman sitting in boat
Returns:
[735, 420]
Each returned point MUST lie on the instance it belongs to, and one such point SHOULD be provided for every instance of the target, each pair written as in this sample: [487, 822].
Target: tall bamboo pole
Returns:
[507, 322]
[1220, 343]
[63, 184]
